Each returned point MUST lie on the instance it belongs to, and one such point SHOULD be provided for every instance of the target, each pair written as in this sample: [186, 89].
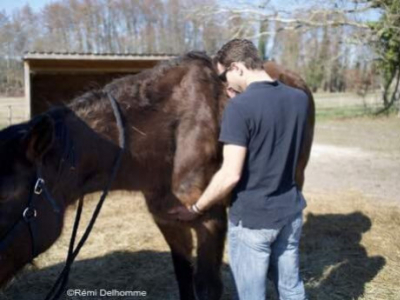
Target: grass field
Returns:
[345, 105]
[350, 247]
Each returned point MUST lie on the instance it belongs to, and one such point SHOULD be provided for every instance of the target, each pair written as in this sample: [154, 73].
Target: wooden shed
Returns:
[52, 78]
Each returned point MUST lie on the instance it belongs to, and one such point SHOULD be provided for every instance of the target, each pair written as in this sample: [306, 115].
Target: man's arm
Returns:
[220, 185]
[226, 178]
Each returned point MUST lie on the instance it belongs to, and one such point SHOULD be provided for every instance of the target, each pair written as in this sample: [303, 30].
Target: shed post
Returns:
[27, 82]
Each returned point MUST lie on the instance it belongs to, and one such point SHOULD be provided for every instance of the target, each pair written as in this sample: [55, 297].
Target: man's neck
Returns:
[256, 76]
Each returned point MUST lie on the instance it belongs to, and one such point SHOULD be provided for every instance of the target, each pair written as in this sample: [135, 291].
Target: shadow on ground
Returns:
[334, 266]
[334, 263]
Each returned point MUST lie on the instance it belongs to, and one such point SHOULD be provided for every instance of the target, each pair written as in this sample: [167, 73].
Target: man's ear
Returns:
[40, 138]
[235, 66]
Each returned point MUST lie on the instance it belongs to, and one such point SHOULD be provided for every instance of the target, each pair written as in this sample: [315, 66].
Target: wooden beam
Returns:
[84, 71]
[90, 64]
[97, 57]
[27, 83]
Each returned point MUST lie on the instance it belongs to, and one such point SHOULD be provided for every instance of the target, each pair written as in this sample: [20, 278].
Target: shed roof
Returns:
[50, 62]
[34, 55]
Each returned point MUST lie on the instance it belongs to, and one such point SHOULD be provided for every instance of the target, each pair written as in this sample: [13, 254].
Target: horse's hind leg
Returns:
[179, 239]
[210, 247]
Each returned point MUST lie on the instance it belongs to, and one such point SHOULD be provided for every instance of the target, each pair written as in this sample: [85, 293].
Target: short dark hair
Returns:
[239, 50]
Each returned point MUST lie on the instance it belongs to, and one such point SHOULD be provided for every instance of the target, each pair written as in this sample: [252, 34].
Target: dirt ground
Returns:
[360, 155]
[350, 247]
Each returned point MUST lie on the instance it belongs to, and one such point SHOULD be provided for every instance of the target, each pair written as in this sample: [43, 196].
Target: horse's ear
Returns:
[40, 138]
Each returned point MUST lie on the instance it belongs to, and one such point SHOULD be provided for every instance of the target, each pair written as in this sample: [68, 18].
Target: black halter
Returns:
[38, 190]
[29, 215]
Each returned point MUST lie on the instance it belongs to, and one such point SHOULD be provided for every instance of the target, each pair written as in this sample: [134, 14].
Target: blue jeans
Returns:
[253, 253]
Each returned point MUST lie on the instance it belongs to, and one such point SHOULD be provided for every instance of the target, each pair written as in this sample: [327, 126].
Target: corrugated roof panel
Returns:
[94, 55]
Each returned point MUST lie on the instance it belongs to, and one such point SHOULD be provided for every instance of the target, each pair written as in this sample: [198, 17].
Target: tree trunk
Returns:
[394, 95]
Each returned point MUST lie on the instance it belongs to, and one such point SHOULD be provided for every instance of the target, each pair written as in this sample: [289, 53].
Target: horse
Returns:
[172, 116]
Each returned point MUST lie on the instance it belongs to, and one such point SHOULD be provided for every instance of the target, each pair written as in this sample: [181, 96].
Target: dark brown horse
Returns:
[172, 116]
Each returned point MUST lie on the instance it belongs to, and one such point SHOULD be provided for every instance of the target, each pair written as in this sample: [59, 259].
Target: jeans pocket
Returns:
[233, 242]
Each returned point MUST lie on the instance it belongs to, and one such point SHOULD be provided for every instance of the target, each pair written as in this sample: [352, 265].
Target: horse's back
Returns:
[294, 80]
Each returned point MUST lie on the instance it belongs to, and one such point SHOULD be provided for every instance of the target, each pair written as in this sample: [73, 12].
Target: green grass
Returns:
[331, 113]
[328, 113]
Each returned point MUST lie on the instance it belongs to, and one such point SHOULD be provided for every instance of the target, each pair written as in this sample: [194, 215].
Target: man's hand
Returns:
[183, 213]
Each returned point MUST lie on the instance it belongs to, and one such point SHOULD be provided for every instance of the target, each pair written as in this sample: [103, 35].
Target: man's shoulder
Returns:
[245, 102]
[239, 102]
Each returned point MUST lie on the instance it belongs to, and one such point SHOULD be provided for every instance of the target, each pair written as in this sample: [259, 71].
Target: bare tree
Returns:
[336, 27]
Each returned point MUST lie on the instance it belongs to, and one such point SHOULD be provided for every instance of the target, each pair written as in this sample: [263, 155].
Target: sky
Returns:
[37, 5]
[10, 5]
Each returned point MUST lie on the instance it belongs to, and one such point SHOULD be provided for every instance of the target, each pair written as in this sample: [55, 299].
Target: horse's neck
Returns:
[95, 151]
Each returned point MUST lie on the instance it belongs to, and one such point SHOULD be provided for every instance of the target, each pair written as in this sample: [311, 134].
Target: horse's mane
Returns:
[136, 87]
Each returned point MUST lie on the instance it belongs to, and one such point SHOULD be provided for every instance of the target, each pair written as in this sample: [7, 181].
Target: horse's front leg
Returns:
[179, 238]
[211, 232]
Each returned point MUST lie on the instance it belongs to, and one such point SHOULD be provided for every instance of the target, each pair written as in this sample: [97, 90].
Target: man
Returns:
[262, 131]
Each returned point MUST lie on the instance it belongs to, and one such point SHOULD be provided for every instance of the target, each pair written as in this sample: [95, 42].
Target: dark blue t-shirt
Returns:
[269, 118]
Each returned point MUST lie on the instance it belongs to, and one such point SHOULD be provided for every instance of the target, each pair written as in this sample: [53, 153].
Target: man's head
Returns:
[235, 60]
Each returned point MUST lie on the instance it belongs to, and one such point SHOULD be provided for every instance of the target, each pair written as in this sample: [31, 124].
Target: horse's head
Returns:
[27, 221]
